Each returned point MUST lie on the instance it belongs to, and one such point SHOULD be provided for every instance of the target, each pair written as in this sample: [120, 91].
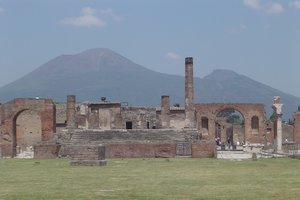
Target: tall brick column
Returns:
[296, 127]
[189, 94]
[71, 102]
[165, 112]
[277, 106]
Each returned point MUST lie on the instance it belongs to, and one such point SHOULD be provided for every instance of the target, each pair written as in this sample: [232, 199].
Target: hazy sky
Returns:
[256, 38]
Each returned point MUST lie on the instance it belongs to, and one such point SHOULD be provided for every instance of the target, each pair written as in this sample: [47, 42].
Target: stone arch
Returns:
[10, 111]
[247, 110]
[230, 125]
[27, 130]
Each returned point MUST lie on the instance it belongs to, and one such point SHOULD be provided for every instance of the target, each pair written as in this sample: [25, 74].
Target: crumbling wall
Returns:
[140, 150]
[141, 118]
[130, 143]
[61, 118]
[176, 117]
[46, 151]
[204, 149]
[10, 111]
[28, 130]
[248, 111]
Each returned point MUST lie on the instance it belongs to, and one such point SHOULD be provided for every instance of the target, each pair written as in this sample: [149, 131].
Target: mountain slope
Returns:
[101, 72]
[228, 86]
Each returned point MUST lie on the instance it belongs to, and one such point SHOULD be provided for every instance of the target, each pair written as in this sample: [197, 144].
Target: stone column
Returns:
[277, 106]
[165, 112]
[71, 102]
[189, 94]
[296, 127]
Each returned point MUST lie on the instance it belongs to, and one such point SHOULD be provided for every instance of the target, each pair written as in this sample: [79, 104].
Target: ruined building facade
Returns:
[131, 131]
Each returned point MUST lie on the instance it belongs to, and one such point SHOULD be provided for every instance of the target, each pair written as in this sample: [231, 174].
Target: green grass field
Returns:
[176, 178]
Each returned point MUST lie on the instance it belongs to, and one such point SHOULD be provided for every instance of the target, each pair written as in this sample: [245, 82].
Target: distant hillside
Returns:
[101, 72]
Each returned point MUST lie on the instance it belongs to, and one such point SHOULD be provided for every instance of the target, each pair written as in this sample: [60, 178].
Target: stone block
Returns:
[46, 151]
[203, 150]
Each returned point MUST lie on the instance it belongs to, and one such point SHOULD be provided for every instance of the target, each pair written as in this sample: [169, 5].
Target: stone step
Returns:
[235, 155]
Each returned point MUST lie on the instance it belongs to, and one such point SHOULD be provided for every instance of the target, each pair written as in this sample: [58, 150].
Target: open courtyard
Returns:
[160, 178]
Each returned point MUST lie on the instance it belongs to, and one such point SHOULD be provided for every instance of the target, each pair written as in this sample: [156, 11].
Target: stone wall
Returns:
[140, 150]
[287, 133]
[9, 113]
[210, 111]
[6, 150]
[28, 129]
[46, 151]
[141, 118]
[138, 143]
[296, 127]
[84, 152]
[176, 117]
[90, 152]
[121, 136]
[203, 150]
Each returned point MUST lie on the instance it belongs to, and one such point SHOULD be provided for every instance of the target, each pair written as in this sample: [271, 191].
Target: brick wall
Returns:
[140, 150]
[203, 150]
[6, 150]
[85, 152]
[46, 151]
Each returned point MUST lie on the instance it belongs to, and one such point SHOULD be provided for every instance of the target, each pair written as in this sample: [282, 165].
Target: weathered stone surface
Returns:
[140, 150]
[189, 94]
[165, 112]
[132, 136]
[297, 127]
[203, 150]
[248, 111]
[71, 103]
[88, 162]
[46, 151]
[9, 113]
[88, 155]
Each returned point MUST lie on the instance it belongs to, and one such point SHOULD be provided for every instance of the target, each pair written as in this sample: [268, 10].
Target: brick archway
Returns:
[247, 110]
[229, 131]
[9, 112]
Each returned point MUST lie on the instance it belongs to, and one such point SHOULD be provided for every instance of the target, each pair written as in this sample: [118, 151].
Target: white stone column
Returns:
[277, 107]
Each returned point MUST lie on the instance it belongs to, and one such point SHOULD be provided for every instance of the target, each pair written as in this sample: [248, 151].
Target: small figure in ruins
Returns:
[228, 142]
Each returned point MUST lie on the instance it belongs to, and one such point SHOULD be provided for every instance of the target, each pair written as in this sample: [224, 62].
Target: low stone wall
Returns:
[119, 151]
[6, 150]
[203, 150]
[84, 152]
[46, 151]
[122, 136]
[88, 155]
[140, 150]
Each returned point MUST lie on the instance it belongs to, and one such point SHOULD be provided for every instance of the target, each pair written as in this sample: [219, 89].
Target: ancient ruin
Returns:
[76, 129]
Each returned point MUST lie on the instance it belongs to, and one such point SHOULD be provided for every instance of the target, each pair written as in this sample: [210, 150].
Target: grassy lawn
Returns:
[177, 178]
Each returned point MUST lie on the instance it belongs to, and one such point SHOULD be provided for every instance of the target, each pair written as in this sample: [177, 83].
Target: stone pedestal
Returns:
[89, 156]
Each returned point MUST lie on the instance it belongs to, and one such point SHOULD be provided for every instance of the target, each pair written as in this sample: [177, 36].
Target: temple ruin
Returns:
[53, 130]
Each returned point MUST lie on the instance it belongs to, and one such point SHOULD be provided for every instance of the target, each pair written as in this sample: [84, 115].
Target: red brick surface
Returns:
[10, 111]
[46, 151]
[203, 150]
[139, 150]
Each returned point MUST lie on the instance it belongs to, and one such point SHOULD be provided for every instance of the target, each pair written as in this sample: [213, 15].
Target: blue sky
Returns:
[256, 38]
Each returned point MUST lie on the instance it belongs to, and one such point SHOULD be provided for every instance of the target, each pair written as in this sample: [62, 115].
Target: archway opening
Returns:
[27, 131]
[229, 127]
